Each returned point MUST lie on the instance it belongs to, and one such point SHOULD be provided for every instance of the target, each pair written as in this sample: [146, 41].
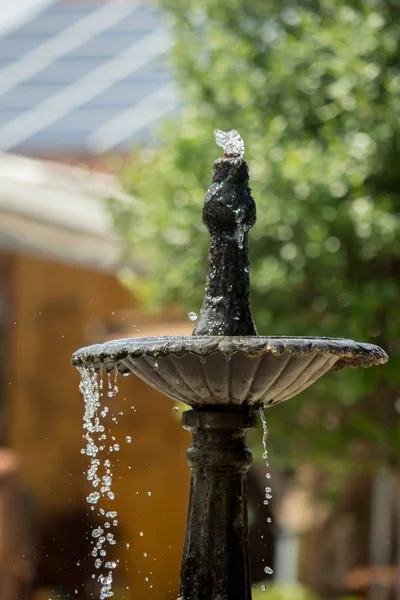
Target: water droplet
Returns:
[141, 533]
[128, 439]
[145, 554]
[268, 570]
[97, 532]
[128, 546]
[93, 498]
[149, 493]
[269, 520]
[98, 563]
[111, 564]
[266, 502]
[116, 447]
[107, 480]
[263, 587]
[176, 408]
[193, 316]
[268, 475]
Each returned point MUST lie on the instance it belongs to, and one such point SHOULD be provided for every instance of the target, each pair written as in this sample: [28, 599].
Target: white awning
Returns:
[59, 212]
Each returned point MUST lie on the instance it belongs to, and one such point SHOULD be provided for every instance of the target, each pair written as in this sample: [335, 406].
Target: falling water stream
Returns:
[99, 472]
[268, 489]
[98, 443]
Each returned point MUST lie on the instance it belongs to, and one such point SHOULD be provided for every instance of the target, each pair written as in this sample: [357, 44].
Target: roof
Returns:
[59, 212]
[84, 77]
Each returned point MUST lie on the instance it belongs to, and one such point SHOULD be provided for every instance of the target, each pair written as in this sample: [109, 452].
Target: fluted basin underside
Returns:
[203, 371]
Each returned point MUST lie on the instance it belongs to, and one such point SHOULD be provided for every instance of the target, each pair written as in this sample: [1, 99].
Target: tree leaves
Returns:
[314, 89]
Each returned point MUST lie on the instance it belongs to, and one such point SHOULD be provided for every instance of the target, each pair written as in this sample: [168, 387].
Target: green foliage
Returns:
[314, 89]
[268, 591]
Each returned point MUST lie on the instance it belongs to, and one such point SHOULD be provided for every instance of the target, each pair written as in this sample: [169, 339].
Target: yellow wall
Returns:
[52, 306]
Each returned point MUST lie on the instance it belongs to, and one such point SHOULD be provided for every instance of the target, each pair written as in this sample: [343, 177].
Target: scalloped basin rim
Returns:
[349, 352]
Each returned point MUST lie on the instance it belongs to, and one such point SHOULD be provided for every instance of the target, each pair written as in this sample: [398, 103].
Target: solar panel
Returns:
[78, 66]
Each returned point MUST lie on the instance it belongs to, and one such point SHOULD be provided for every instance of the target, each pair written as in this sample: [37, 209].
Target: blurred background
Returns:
[106, 117]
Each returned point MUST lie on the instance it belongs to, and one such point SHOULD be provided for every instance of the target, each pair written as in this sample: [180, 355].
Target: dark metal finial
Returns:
[229, 212]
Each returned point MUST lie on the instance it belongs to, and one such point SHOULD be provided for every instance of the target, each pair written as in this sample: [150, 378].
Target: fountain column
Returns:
[229, 212]
[215, 560]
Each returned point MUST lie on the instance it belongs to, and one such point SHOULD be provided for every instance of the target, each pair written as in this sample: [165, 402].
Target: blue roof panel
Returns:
[13, 48]
[143, 19]
[25, 95]
[73, 142]
[63, 71]
[7, 115]
[47, 94]
[107, 45]
[53, 20]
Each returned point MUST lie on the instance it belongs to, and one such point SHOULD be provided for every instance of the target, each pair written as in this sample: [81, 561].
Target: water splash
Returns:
[268, 489]
[242, 228]
[230, 141]
[99, 472]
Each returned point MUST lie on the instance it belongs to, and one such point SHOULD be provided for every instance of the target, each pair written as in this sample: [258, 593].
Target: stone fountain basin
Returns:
[202, 371]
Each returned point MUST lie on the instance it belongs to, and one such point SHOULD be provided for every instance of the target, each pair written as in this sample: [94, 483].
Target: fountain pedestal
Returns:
[215, 558]
[225, 372]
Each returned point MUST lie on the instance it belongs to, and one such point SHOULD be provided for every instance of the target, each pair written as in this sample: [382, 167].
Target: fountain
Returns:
[225, 372]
